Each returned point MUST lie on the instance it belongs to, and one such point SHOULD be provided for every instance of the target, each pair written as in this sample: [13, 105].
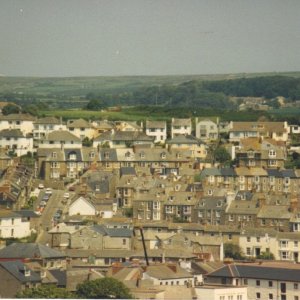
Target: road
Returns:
[46, 219]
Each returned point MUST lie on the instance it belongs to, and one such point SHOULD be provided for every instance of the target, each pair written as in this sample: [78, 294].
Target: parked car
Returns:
[46, 197]
[41, 186]
[43, 203]
[48, 191]
[66, 195]
[72, 188]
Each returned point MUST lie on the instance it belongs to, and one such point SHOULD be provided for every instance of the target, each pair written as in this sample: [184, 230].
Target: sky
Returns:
[148, 37]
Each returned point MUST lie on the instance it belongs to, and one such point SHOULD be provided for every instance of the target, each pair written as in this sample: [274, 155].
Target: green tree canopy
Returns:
[10, 109]
[45, 292]
[96, 104]
[233, 251]
[103, 288]
[222, 155]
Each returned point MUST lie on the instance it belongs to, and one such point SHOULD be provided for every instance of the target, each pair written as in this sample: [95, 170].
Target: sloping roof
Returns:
[14, 133]
[62, 135]
[17, 117]
[127, 171]
[181, 122]
[129, 136]
[29, 250]
[113, 232]
[27, 213]
[76, 152]
[258, 127]
[78, 123]
[165, 272]
[274, 212]
[184, 139]
[8, 214]
[60, 276]
[156, 124]
[48, 120]
[17, 268]
[259, 272]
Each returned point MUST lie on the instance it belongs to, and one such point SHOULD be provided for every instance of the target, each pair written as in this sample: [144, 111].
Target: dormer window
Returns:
[142, 155]
[72, 156]
[272, 153]
[127, 154]
[219, 203]
[250, 154]
[106, 155]
[163, 155]
[92, 154]
[54, 154]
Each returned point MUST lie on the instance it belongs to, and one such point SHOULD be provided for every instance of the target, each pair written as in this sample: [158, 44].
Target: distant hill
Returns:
[184, 90]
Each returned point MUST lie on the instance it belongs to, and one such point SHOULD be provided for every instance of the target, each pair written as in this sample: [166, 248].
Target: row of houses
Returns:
[21, 133]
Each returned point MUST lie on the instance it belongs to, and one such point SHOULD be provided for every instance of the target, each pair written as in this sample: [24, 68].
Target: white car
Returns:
[48, 191]
[41, 186]
[66, 195]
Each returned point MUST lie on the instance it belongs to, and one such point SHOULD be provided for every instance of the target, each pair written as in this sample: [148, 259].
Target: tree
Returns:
[222, 155]
[86, 142]
[103, 288]
[95, 104]
[233, 251]
[45, 292]
[10, 109]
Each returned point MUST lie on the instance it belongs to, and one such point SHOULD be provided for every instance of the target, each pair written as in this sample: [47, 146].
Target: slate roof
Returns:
[216, 203]
[8, 214]
[257, 272]
[258, 127]
[48, 120]
[181, 122]
[243, 207]
[78, 123]
[29, 250]
[27, 213]
[11, 133]
[274, 212]
[108, 154]
[129, 136]
[16, 268]
[184, 139]
[62, 135]
[127, 171]
[113, 232]
[69, 152]
[17, 117]
[244, 195]
[164, 272]
[156, 124]
[228, 172]
[60, 276]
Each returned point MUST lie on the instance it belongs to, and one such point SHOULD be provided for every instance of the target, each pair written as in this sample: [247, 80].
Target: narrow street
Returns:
[46, 219]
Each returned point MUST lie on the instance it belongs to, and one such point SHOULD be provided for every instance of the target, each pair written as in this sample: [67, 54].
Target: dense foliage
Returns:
[45, 292]
[268, 87]
[103, 288]
[233, 251]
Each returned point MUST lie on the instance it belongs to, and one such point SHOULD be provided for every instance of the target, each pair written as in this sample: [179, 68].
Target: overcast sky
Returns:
[148, 37]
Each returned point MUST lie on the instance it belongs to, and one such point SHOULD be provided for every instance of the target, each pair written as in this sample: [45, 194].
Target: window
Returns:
[231, 218]
[270, 283]
[257, 282]
[296, 297]
[295, 286]
[124, 241]
[248, 239]
[239, 297]
[248, 251]
[257, 295]
[270, 296]
[230, 236]
[12, 232]
[12, 221]
[258, 239]
[245, 281]
[296, 244]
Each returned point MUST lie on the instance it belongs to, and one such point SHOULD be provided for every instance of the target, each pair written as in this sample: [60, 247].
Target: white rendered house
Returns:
[12, 225]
